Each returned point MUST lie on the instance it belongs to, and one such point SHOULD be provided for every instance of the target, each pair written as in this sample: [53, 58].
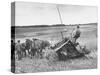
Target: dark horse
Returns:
[28, 45]
[37, 46]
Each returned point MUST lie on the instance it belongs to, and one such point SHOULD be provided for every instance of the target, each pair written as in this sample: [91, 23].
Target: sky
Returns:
[29, 13]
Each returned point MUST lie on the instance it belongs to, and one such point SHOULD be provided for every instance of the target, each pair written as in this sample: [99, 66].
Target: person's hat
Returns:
[78, 26]
[18, 40]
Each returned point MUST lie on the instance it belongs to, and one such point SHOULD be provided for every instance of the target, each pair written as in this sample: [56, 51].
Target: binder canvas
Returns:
[53, 37]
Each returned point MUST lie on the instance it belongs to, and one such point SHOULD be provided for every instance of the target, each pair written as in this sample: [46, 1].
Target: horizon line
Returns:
[55, 24]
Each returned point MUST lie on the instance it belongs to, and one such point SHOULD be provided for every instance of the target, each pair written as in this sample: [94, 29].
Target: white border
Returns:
[5, 15]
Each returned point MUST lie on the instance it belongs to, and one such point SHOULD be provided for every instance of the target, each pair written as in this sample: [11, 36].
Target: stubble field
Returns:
[53, 35]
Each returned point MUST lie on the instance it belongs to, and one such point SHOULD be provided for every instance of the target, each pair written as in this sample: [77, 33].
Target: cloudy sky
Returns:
[28, 13]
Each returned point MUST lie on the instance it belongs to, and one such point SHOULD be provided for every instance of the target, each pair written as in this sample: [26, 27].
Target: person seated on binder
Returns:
[76, 34]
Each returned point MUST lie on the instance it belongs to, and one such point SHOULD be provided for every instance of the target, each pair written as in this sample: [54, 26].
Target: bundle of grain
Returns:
[50, 55]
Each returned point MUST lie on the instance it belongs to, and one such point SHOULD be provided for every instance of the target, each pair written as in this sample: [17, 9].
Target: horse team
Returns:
[29, 48]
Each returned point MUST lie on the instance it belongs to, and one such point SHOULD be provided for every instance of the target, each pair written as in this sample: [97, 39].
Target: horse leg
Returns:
[31, 53]
[40, 53]
[19, 55]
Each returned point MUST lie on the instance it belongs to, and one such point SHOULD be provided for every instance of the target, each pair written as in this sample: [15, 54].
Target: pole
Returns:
[59, 15]
[60, 19]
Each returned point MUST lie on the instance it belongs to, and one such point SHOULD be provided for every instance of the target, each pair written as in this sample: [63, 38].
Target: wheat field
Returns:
[52, 34]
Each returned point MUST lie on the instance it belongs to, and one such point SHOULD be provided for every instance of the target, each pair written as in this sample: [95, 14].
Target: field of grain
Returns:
[53, 35]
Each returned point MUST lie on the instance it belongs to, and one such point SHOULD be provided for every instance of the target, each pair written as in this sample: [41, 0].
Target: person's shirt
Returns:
[18, 46]
[76, 33]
